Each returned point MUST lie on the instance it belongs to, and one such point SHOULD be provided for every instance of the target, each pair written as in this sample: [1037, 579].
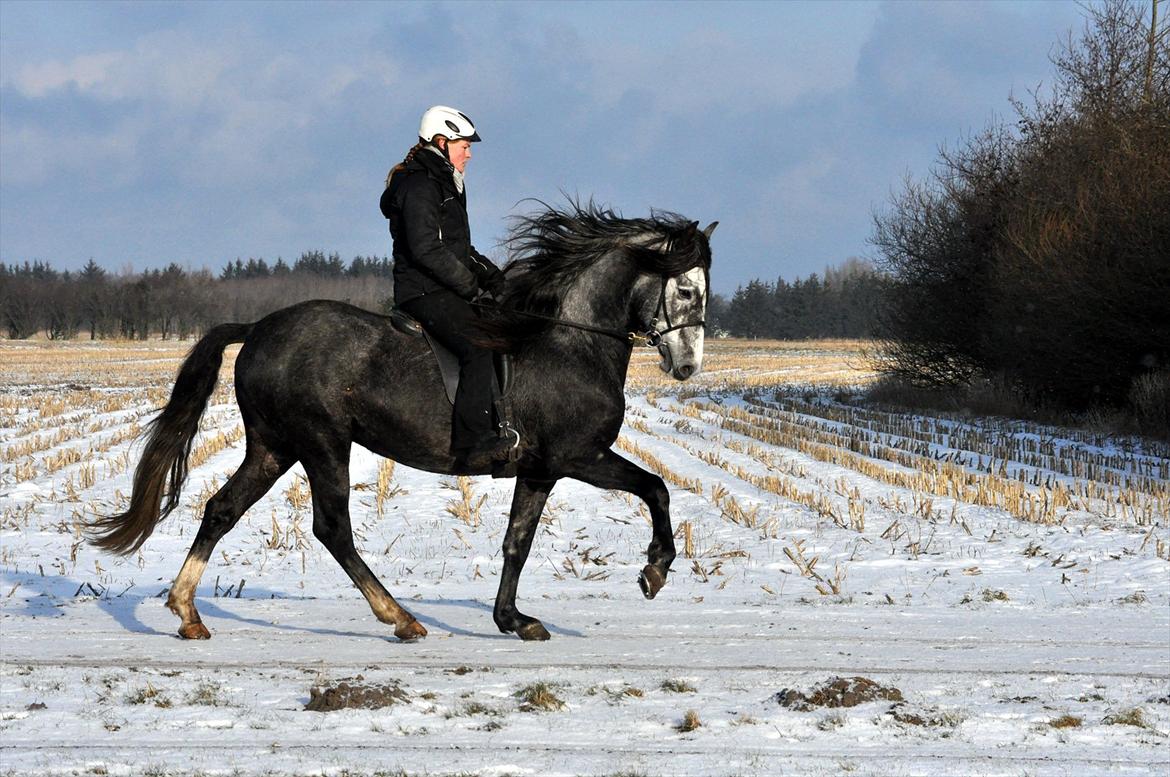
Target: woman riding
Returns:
[437, 272]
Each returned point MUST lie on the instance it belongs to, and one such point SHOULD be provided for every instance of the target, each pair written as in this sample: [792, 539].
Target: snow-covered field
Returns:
[1011, 582]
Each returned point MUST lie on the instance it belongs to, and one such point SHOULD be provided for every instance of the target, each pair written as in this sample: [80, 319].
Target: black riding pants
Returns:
[448, 318]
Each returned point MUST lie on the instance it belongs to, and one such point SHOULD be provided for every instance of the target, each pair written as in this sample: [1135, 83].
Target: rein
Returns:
[651, 337]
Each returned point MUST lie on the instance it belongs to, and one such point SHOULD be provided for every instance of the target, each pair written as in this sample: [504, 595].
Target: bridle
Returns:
[652, 337]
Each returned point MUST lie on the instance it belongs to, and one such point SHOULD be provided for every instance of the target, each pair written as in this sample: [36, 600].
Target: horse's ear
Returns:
[710, 228]
[692, 228]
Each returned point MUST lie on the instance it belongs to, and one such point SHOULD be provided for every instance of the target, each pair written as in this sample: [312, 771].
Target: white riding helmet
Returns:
[448, 122]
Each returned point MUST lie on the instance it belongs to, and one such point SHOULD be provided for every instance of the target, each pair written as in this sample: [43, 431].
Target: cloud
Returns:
[929, 64]
[83, 72]
[31, 157]
[215, 130]
[202, 113]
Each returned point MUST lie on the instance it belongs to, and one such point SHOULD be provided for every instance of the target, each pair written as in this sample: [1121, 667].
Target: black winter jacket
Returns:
[432, 239]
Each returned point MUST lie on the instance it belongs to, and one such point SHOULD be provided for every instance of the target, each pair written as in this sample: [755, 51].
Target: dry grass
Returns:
[149, 695]
[689, 722]
[935, 466]
[655, 464]
[1131, 717]
[206, 694]
[466, 508]
[745, 365]
[539, 697]
[213, 444]
[819, 500]
[108, 364]
[984, 467]
[292, 538]
[616, 695]
[71, 411]
[807, 567]
[298, 494]
[1066, 721]
[678, 686]
[385, 488]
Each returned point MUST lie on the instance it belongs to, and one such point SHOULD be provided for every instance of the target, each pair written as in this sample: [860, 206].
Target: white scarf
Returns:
[455, 174]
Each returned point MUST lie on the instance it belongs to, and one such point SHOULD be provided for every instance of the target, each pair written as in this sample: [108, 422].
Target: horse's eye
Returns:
[686, 293]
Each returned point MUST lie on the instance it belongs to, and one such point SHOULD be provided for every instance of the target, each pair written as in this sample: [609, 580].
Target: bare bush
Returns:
[1037, 252]
[1150, 400]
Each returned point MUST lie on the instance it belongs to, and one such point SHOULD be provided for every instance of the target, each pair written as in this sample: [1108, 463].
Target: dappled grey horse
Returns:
[314, 378]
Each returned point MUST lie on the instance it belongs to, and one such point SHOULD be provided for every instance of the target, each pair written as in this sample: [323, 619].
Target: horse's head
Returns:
[672, 304]
[585, 268]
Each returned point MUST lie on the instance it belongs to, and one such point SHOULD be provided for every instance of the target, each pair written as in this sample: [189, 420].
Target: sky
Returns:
[140, 134]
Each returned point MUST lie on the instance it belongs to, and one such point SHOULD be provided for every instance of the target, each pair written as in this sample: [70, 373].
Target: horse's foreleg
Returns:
[614, 472]
[527, 503]
[259, 471]
[329, 483]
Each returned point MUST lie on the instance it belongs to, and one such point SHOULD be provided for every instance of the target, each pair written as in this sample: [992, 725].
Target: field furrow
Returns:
[1010, 582]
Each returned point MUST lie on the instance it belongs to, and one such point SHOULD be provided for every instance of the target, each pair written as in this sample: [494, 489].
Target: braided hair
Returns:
[406, 160]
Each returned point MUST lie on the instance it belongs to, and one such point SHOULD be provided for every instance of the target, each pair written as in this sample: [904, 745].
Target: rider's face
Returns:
[459, 152]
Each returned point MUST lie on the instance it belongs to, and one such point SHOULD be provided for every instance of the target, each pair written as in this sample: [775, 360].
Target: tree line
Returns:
[1037, 254]
[844, 302]
[176, 302]
[314, 263]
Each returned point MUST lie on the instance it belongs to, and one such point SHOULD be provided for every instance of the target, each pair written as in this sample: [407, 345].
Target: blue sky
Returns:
[140, 134]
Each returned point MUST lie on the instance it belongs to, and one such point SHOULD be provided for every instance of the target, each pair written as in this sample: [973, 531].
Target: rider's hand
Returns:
[485, 297]
[494, 284]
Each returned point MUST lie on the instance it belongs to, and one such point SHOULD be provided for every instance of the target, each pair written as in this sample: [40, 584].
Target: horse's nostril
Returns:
[685, 371]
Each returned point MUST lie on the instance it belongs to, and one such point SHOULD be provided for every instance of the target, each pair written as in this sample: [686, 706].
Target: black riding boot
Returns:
[448, 318]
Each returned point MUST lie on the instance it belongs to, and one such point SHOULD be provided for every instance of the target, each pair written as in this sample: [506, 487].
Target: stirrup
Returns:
[512, 436]
[508, 466]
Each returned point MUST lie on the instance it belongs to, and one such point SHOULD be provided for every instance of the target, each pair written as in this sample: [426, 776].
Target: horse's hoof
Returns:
[533, 632]
[409, 632]
[194, 631]
[651, 581]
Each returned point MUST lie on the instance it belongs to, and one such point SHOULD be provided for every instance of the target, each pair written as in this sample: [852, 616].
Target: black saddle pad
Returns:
[449, 362]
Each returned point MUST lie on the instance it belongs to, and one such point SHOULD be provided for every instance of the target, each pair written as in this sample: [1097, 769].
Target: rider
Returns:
[437, 272]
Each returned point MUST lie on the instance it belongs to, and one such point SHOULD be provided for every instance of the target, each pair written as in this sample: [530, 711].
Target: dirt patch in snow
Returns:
[837, 692]
[345, 695]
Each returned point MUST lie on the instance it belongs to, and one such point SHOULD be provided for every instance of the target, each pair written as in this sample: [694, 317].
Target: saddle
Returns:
[449, 369]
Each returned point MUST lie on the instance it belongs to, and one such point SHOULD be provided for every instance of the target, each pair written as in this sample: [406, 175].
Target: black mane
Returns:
[551, 248]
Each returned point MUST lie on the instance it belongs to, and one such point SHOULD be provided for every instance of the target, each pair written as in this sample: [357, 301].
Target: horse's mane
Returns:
[549, 250]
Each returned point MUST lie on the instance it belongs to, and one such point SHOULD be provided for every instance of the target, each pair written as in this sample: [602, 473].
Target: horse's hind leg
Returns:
[259, 471]
[329, 482]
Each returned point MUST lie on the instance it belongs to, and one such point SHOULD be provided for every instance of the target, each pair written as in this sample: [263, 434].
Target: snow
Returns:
[992, 627]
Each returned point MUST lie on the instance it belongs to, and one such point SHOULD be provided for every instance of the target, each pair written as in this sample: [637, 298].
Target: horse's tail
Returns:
[171, 433]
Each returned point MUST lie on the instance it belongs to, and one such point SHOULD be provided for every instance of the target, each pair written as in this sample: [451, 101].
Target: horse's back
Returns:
[323, 339]
[328, 370]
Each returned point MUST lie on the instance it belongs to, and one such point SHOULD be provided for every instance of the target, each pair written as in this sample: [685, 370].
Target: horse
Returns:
[314, 378]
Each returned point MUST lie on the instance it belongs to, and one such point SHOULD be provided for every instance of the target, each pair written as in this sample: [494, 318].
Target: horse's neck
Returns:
[601, 293]
[600, 297]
